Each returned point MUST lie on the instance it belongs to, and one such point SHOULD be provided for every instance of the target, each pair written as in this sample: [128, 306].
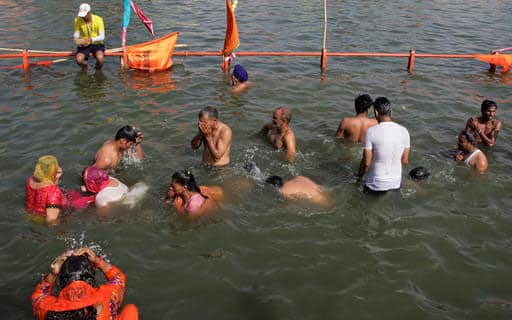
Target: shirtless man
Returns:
[471, 156]
[215, 136]
[354, 128]
[279, 132]
[239, 79]
[301, 188]
[111, 152]
[485, 127]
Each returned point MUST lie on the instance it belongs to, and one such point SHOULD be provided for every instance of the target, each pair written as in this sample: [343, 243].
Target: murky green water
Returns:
[437, 250]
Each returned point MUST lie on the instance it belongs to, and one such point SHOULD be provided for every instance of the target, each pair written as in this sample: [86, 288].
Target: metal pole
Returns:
[323, 59]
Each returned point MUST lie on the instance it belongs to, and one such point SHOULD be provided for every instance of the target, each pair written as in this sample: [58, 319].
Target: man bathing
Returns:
[301, 188]
[485, 127]
[354, 128]
[89, 37]
[239, 79]
[471, 156]
[280, 134]
[112, 151]
[385, 151]
[216, 137]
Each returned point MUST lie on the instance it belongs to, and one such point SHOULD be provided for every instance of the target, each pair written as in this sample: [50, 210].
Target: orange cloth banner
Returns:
[231, 41]
[153, 55]
[503, 60]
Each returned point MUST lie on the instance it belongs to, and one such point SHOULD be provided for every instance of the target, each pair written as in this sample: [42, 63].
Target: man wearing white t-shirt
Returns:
[385, 151]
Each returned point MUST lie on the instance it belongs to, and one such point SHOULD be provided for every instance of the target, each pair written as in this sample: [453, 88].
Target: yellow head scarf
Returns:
[46, 169]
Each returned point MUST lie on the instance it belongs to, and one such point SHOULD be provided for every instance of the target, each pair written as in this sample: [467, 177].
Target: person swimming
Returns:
[419, 173]
[43, 195]
[187, 197]
[301, 188]
[79, 297]
[239, 79]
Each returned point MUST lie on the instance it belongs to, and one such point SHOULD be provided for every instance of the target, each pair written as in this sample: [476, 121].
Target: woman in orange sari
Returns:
[79, 298]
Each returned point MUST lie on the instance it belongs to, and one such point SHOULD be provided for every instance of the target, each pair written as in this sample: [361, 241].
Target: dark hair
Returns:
[363, 103]
[127, 132]
[187, 179]
[419, 173]
[276, 181]
[77, 268]
[211, 112]
[486, 104]
[470, 136]
[383, 106]
[87, 313]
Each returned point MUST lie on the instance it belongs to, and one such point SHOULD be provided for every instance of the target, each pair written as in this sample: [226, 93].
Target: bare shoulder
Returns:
[348, 121]
[290, 134]
[225, 128]
[497, 124]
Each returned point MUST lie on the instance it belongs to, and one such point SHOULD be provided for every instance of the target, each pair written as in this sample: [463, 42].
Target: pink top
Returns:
[40, 199]
[195, 203]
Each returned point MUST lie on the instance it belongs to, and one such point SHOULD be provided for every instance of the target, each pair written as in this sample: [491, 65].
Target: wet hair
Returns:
[362, 103]
[87, 313]
[77, 268]
[382, 106]
[276, 181]
[187, 179]
[211, 112]
[470, 136]
[286, 115]
[487, 104]
[419, 173]
[127, 132]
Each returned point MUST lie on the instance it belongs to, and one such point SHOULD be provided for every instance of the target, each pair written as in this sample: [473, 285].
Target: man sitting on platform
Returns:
[89, 36]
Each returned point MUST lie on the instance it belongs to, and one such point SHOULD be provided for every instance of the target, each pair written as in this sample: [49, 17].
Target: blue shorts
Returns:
[90, 48]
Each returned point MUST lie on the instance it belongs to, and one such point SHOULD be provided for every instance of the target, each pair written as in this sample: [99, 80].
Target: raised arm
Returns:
[197, 140]
[42, 297]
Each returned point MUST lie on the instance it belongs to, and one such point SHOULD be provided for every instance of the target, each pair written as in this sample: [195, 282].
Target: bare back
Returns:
[354, 128]
[108, 156]
[302, 188]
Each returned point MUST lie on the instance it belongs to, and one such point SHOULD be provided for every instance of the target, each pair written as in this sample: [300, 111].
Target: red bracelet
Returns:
[98, 262]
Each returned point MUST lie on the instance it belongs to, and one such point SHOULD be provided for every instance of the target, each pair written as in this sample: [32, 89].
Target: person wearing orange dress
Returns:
[79, 297]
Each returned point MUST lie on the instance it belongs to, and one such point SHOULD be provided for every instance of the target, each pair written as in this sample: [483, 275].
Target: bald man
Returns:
[279, 133]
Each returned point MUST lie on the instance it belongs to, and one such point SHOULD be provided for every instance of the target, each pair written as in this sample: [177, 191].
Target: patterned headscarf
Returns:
[46, 169]
[95, 179]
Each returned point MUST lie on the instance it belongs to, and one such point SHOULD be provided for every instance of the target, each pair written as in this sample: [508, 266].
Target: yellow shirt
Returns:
[91, 31]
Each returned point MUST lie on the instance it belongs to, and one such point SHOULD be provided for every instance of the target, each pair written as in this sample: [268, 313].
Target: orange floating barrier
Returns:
[154, 55]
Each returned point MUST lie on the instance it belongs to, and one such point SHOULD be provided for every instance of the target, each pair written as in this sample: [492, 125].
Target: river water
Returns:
[439, 249]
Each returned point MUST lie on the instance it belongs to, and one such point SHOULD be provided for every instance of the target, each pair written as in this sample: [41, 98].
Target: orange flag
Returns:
[503, 60]
[153, 55]
[231, 41]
